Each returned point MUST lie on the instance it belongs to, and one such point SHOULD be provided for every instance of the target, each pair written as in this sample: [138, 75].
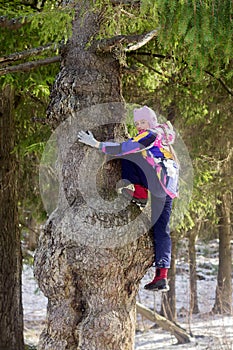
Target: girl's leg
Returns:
[161, 211]
[133, 173]
[137, 171]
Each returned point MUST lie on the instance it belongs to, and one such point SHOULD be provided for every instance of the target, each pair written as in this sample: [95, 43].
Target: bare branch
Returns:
[141, 40]
[130, 15]
[27, 53]
[24, 67]
[133, 42]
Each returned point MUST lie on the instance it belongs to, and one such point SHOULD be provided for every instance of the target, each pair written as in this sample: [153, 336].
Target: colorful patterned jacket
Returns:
[151, 146]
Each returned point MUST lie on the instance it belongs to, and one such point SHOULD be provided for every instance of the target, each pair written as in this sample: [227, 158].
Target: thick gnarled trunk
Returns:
[85, 265]
[11, 314]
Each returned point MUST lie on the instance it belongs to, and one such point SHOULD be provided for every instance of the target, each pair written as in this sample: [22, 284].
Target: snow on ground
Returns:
[34, 305]
[210, 332]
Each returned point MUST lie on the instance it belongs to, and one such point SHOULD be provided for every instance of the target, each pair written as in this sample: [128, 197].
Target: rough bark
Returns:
[11, 315]
[181, 335]
[193, 271]
[91, 282]
[223, 297]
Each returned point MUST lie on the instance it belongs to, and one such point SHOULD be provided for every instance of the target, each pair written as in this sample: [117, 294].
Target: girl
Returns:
[149, 163]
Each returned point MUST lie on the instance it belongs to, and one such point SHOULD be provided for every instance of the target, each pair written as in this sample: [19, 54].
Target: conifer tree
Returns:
[24, 27]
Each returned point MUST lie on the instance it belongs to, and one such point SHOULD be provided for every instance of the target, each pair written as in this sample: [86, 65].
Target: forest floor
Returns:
[209, 331]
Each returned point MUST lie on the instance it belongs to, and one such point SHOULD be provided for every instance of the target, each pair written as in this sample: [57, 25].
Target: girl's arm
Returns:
[132, 145]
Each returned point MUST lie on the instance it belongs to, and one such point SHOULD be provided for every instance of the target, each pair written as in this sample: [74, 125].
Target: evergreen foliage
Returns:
[28, 25]
[200, 31]
[196, 33]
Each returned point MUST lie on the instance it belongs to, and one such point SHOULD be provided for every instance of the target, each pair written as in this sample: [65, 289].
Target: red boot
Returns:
[159, 282]
[138, 196]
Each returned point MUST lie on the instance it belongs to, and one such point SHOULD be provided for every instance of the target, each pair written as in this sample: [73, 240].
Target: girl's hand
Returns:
[87, 138]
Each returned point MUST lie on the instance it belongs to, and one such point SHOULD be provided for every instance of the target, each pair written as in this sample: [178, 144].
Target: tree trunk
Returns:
[223, 298]
[87, 264]
[11, 320]
[169, 299]
[193, 271]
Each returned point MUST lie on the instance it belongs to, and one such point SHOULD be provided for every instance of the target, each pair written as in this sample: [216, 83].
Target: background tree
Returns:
[23, 96]
[11, 320]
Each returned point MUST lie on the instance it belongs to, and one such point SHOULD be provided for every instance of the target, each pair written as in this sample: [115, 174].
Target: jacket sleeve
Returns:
[132, 145]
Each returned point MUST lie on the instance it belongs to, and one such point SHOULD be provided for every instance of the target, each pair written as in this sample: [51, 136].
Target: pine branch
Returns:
[148, 66]
[27, 53]
[24, 67]
[133, 42]
[221, 82]
[162, 56]
[17, 23]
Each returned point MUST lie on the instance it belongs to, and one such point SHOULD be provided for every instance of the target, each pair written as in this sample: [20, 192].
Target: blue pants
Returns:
[136, 170]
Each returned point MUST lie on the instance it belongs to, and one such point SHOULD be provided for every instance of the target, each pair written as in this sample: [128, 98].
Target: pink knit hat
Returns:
[147, 114]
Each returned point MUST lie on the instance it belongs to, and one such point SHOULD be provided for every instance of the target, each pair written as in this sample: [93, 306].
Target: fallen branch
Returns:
[181, 335]
[24, 67]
